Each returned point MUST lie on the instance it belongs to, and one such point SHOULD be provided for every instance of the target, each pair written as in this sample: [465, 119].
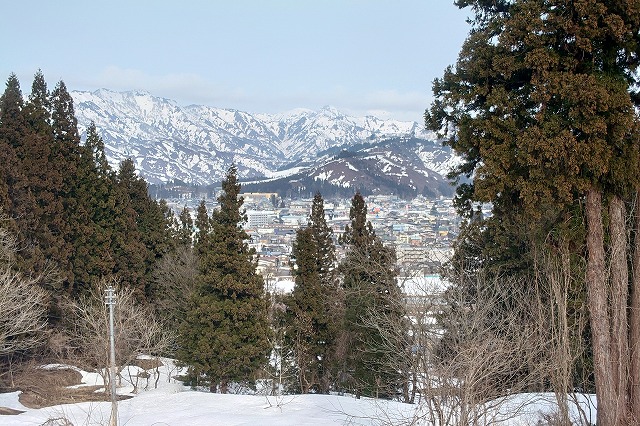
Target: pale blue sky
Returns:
[360, 56]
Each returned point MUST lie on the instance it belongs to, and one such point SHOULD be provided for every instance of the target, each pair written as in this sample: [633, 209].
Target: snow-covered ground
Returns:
[173, 404]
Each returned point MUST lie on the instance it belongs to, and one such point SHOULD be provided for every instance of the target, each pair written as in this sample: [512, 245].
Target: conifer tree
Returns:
[203, 228]
[174, 276]
[541, 107]
[37, 165]
[151, 222]
[323, 235]
[225, 335]
[12, 116]
[93, 258]
[12, 132]
[65, 155]
[369, 279]
[38, 108]
[129, 251]
[314, 307]
[185, 228]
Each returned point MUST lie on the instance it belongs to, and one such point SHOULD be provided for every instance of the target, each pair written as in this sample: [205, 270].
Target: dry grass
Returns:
[47, 387]
[147, 363]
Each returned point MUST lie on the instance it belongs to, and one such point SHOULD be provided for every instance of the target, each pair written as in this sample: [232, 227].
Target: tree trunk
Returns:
[634, 323]
[598, 307]
[619, 303]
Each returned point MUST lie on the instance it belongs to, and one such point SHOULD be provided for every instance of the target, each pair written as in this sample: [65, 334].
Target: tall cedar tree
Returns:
[203, 228]
[65, 155]
[12, 133]
[185, 228]
[371, 293]
[540, 109]
[96, 205]
[147, 238]
[225, 336]
[37, 164]
[314, 306]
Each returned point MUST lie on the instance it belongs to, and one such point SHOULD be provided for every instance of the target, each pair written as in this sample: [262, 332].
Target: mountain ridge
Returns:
[197, 143]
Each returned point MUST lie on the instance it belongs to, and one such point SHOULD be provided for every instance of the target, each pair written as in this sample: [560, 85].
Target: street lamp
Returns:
[110, 301]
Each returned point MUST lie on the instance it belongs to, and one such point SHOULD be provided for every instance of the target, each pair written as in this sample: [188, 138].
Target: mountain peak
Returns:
[330, 110]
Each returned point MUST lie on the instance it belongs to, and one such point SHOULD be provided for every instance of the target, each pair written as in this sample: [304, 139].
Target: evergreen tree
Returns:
[92, 258]
[371, 295]
[12, 132]
[314, 306]
[225, 335]
[203, 228]
[130, 253]
[540, 108]
[150, 224]
[307, 324]
[65, 155]
[323, 235]
[38, 108]
[185, 228]
[171, 228]
[37, 165]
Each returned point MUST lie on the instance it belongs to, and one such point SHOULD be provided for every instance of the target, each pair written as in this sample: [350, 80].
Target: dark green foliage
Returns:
[519, 95]
[203, 227]
[372, 305]
[148, 236]
[225, 336]
[65, 157]
[37, 165]
[185, 228]
[315, 305]
[540, 106]
[173, 278]
[91, 233]
[326, 251]
[68, 209]
[12, 133]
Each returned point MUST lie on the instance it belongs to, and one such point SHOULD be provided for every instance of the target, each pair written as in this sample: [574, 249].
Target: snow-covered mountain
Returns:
[402, 166]
[196, 144]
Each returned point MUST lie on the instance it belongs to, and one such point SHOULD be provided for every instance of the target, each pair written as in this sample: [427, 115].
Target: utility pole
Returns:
[110, 300]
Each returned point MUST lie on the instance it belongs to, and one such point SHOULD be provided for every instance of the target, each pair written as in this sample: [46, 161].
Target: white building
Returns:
[259, 218]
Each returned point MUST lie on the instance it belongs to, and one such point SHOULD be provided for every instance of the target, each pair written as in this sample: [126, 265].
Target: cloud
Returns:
[188, 88]
[191, 88]
[385, 104]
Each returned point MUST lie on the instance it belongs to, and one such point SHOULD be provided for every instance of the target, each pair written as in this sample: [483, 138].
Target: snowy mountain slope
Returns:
[196, 144]
[304, 132]
[403, 166]
[168, 141]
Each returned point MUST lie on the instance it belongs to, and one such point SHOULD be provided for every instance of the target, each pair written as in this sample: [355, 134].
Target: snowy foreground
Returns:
[173, 404]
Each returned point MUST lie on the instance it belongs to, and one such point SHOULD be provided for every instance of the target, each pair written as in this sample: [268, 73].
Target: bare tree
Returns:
[137, 331]
[562, 322]
[465, 358]
[174, 281]
[22, 307]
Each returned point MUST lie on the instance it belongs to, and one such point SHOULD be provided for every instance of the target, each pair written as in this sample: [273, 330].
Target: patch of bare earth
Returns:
[46, 387]
[4, 411]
